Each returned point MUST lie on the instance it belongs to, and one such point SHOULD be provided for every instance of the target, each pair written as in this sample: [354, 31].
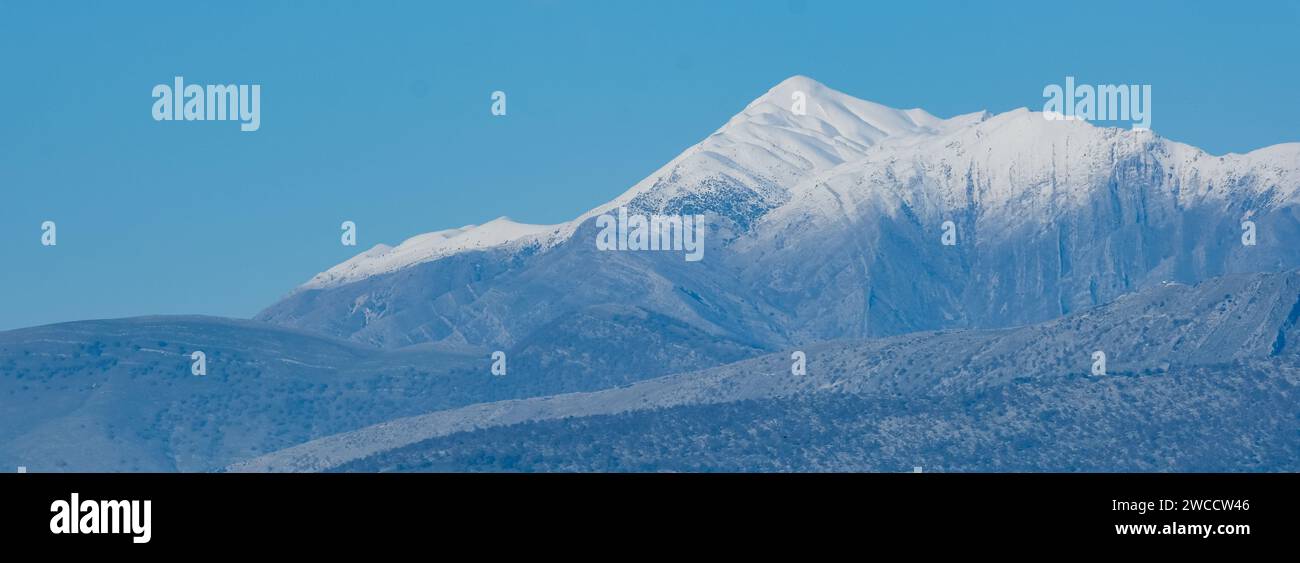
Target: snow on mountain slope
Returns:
[383, 259]
[1016, 171]
[1048, 217]
[740, 171]
[1270, 174]
[828, 225]
[1018, 166]
[1005, 170]
[749, 164]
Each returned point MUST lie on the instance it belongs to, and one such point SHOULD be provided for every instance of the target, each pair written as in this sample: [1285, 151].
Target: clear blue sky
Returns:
[378, 112]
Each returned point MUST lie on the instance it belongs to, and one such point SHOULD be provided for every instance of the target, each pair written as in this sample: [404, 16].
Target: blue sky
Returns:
[378, 112]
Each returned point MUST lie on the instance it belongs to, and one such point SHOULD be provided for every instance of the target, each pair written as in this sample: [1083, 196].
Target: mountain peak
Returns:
[799, 128]
[797, 83]
[800, 102]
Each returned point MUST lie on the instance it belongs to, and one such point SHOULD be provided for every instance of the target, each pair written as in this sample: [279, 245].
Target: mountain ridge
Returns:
[830, 224]
[837, 130]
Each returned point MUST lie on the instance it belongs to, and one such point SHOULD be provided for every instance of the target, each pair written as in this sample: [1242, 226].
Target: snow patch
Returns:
[383, 259]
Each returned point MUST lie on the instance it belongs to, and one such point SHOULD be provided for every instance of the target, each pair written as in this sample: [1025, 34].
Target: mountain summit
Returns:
[828, 220]
[749, 165]
[742, 170]
[836, 116]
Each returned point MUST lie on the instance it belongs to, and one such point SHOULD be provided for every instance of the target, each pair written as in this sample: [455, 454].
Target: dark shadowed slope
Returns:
[1197, 377]
[119, 395]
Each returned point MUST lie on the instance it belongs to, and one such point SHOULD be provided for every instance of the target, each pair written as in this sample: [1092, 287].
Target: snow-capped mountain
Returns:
[825, 234]
[746, 167]
[750, 164]
[1049, 217]
[829, 224]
